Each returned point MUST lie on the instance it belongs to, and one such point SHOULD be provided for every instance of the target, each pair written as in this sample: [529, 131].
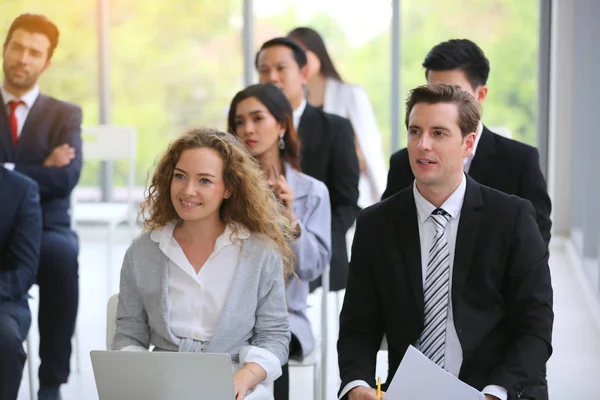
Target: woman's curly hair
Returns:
[251, 205]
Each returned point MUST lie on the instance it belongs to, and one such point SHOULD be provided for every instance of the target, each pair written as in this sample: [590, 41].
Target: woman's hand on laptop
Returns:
[246, 378]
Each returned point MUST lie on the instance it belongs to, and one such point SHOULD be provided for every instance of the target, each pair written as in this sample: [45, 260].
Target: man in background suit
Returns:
[20, 237]
[41, 137]
[455, 268]
[498, 162]
[328, 150]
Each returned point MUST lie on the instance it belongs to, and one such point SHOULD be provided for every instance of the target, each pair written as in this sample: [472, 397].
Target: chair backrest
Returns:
[501, 130]
[112, 143]
[111, 320]
[108, 143]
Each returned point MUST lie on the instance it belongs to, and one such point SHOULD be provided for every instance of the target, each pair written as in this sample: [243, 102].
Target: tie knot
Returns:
[13, 104]
[440, 219]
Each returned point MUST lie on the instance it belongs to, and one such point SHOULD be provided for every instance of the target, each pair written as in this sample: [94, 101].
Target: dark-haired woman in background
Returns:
[327, 90]
[261, 117]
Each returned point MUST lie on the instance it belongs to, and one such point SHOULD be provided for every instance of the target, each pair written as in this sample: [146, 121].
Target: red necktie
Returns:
[12, 119]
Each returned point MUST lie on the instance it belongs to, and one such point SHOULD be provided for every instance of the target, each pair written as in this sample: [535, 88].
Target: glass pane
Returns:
[357, 40]
[174, 65]
[507, 32]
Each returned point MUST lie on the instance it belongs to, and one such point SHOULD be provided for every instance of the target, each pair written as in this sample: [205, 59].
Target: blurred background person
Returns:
[501, 163]
[327, 90]
[216, 228]
[40, 136]
[20, 238]
[328, 151]
[261, 117]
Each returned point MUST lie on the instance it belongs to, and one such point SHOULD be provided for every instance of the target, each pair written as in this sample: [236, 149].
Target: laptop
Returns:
[132, 375]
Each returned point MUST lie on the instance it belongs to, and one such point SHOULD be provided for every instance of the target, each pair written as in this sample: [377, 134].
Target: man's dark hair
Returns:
[299, 54]
[35, 23]
[469, 112]
[460, 54]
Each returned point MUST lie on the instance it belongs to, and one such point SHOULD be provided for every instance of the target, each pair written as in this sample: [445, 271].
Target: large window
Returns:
[507, 32]
[174, 65]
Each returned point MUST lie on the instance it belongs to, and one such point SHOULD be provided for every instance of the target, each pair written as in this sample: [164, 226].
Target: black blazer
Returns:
[501, 292]
[50, 123]
[503, 164]
[329, 155]
[20, 239]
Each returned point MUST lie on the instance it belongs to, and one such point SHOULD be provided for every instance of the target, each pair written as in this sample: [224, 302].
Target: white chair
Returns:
[317, 359]
[501, 130]
[111, 319]
[109, 143]
[32, 393]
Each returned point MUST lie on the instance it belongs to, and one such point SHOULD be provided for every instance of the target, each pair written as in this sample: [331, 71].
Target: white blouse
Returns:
[197, 299]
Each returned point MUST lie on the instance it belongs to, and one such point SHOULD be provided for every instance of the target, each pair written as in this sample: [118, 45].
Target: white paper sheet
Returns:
[418, 378]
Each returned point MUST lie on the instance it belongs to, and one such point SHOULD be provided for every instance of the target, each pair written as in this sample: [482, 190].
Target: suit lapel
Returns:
[482, 164]
[469, 225]
[307, 126]
[7, 147]
[410, 244]
[34, 119]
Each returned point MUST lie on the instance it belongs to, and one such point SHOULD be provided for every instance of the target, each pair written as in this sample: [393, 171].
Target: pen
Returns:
[378, 387]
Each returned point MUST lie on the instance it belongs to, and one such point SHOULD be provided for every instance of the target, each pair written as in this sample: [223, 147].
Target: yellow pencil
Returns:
[378, 387]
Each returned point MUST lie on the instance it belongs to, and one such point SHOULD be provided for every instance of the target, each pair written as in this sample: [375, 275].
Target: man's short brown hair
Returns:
[35, 23]
[469, 112]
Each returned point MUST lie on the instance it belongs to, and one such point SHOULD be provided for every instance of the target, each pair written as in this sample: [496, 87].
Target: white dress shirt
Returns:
[22, 110]
[467, 161]
[297, 113]
[453, 356]
[197, 299]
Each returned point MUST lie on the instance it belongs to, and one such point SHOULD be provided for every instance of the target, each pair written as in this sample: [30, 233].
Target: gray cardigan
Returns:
[312, 249]
[254, 313]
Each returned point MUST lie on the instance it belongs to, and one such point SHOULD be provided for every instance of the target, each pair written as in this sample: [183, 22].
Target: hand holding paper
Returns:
[417, 377]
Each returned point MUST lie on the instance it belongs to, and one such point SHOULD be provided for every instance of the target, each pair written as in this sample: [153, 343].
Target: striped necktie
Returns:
[433, 338]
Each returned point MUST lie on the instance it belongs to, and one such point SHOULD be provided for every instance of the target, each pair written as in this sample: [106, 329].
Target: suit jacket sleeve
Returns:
[59, 182]
[345, 172]
[533, 188]
[313, 247]
[361, 328]
[132, 328]
[393, 177]
[21, 257]
[529, 306]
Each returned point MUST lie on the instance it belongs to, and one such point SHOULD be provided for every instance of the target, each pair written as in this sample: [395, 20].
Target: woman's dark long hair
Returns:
[278, 105]
[311, 40]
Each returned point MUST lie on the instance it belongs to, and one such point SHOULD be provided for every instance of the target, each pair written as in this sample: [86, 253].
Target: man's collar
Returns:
[478, 136]
[28, 98]
[452, 205]
[297, 114]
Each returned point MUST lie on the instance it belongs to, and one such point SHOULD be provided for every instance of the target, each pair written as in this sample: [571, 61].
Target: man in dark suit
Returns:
[455, 268]
[328, 150]
[498, 162]
[41, 137]
[20, 237]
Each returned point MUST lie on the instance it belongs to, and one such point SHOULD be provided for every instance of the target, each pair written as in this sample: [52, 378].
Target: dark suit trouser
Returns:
[14, 324]
[58, 280]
